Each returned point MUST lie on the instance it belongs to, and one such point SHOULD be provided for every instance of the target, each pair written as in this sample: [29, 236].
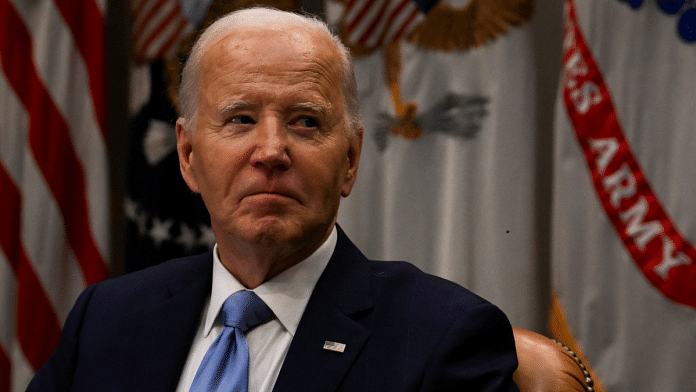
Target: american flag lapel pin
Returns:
[334, 346]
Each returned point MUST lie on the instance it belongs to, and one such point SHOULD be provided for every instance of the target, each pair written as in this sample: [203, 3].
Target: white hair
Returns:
[261, 16]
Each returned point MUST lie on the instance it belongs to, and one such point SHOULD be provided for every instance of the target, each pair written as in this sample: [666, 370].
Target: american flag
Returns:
[54, 194]
[158, 27]
[373, 23]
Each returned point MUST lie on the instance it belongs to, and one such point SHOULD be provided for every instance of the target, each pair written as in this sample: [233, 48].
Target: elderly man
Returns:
[270, 136]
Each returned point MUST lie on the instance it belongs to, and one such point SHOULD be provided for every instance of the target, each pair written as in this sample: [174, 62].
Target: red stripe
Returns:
[87, 26]
[10, 202]
[173, 39]
[408, 22]
[139, 8]
[50, 143]
[176, 11]
[390, 21]
[375, 22]
[146, 22]
[38, 329]
[5, 371]
[366, 7]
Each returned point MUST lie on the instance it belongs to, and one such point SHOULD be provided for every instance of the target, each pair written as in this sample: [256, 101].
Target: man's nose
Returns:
[271, 150]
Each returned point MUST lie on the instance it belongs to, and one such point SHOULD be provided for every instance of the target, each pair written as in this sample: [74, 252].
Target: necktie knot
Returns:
[226, 363]
[244, 310]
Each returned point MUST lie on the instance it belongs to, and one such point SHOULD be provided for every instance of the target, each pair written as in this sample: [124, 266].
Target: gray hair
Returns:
[261, 16]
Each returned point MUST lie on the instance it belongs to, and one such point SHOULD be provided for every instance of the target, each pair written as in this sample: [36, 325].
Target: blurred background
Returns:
[539, 153]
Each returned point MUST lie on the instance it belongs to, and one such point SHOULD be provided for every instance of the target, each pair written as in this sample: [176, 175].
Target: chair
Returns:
[546, 366]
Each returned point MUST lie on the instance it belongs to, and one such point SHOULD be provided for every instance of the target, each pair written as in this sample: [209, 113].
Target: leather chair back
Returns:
[546, 366]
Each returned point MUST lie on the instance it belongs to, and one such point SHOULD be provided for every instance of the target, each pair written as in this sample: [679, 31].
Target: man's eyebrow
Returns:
[228, 108]
[323, 110]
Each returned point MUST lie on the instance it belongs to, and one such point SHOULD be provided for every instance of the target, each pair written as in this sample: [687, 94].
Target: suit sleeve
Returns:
[57, 373]
[477, 353]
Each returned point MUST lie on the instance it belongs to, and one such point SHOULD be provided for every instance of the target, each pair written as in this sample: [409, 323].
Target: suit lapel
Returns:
[170, 325]
[343, 291]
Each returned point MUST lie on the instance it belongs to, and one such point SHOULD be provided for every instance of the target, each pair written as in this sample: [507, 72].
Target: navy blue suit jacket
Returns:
[404, 330]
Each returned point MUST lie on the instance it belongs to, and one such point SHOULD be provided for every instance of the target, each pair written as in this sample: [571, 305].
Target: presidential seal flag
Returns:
[447, 171]
[624, 226]
[54, 185]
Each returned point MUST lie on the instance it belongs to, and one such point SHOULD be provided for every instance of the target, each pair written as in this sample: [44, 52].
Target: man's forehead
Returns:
[274, 41]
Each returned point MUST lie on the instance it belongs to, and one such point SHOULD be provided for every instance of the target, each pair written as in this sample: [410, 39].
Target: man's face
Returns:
[270, 153]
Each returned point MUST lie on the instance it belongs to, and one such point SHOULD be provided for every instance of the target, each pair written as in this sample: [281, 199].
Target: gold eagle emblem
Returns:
[445, 29]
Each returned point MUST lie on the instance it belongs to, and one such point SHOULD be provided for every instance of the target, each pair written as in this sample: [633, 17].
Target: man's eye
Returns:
[242, 120]
[307, 122]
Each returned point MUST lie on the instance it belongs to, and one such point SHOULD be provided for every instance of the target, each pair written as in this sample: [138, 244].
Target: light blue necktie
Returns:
[225, 366]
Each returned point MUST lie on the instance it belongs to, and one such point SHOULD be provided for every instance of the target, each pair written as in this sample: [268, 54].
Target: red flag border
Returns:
[662, 254]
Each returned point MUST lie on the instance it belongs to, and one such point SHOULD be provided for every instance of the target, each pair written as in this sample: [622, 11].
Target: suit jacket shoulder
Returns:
[403, 330]
[131, 333]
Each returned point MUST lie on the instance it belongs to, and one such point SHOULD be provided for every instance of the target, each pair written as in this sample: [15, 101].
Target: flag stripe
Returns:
[386, 23]
[393, 15]
[153, 22]
[49, 139]
[43, 234]
[37, 325]
[356, 12]
[166, 24]
[87, 26]
[159, 27]
[375, 22]
[4, 371]
[365, 20]
[145, 15]
[53, 63]
[407, 21]
[169, 48]
[53, 173]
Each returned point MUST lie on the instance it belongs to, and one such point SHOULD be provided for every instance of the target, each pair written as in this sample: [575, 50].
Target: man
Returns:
[270, 136]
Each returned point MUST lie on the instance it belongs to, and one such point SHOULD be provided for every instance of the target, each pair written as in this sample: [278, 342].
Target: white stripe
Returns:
[382, 24]
[154, 23]
[64, 74]
[158, 43]
[12, 130]
[101, 4]
[372, 15]
[8, 303]
[399, 22]
[139, 18]
[43, 236]
[352, 13]
[22, 372]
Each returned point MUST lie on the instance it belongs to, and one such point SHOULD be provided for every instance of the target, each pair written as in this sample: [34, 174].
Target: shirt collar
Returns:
[286, 294]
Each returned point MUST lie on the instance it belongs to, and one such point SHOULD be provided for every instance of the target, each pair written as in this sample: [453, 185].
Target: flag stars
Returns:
[160, 231]
[207, 237]
[186, 238]
[133, 212]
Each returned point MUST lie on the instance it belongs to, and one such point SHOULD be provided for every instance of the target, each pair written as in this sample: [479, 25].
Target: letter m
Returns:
[641, 232]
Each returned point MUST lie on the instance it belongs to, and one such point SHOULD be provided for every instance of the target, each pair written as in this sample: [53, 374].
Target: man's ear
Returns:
[184, 149]
[354, 149]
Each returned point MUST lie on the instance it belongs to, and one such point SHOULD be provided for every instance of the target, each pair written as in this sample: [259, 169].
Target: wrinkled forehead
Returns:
[298, 54]
[269, 45]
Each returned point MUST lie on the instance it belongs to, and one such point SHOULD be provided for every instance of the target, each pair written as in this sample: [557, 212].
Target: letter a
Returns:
[606, 149]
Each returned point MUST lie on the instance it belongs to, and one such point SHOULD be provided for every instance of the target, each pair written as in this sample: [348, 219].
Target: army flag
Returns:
[624, 226]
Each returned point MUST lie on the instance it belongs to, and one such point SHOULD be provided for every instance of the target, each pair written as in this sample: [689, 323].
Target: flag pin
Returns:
[334, 346]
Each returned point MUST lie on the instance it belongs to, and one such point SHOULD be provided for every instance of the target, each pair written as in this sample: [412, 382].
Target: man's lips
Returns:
[272, 192]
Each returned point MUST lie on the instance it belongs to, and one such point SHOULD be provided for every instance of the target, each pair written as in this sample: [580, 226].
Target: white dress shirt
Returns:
[286, 294]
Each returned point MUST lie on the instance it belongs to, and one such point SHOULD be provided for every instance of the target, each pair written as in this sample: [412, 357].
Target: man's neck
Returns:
[253, 264]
